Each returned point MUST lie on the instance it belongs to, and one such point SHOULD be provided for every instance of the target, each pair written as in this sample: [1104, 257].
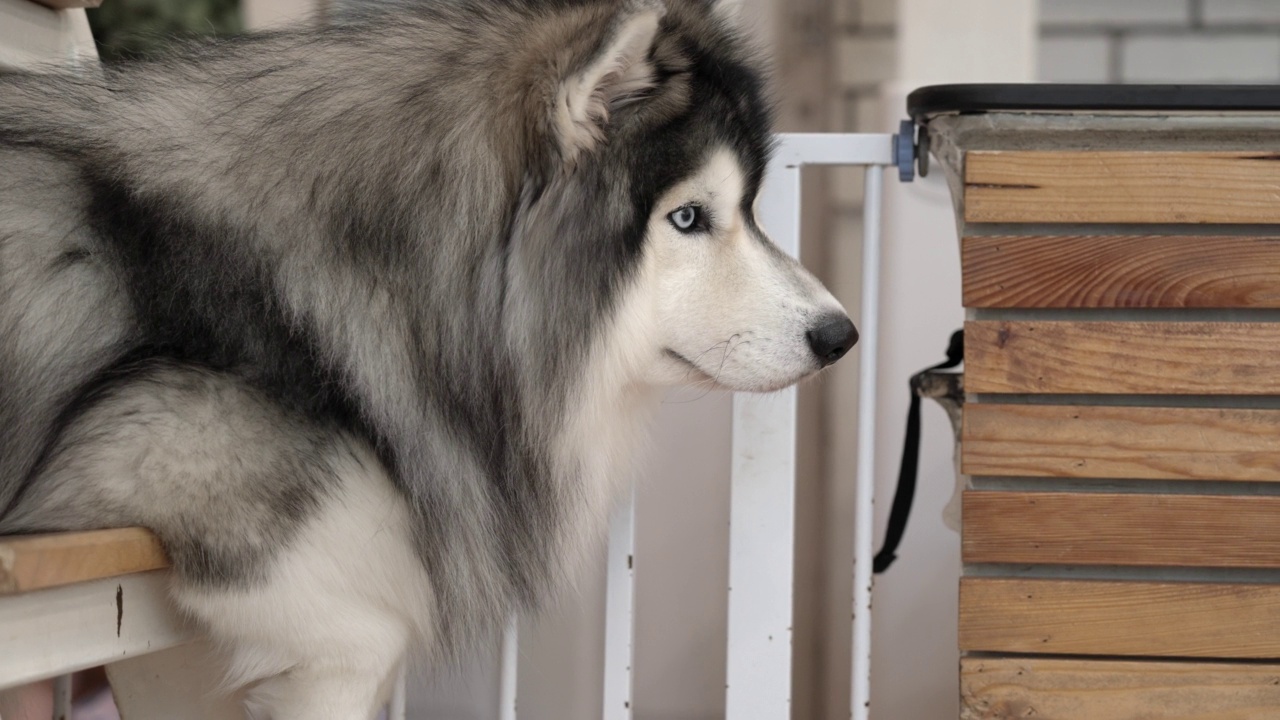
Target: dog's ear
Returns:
[616, 71]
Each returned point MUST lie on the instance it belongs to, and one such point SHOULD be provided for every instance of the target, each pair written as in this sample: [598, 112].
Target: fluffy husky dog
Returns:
[364, 322]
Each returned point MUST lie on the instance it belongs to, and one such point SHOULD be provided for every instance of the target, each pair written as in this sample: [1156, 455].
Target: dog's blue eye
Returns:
[688, 219]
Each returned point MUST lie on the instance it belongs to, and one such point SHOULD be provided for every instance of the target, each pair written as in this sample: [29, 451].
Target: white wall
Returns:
[1215, 41]
[890, 48]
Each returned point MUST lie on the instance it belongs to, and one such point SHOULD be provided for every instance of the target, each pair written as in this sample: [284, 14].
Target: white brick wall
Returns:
[1225, 59]
[1112, 13]
[1096, 41]
[1241, 11]
[1084, 59]
[1191, 41]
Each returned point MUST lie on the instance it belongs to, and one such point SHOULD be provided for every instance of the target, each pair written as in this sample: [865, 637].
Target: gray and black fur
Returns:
[314, 240]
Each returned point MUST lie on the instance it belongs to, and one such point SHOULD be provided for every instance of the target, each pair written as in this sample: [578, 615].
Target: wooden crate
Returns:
[1121, 432]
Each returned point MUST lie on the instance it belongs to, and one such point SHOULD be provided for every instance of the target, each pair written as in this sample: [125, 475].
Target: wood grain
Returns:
[34, 562]
[1054, 689]
[1121, 442]
[1121, 529]
[1121, 271]
[1141, 358]
[1122, 187]
[1152, 619]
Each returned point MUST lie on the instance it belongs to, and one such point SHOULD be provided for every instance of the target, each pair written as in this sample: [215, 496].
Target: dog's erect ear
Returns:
[617, 71]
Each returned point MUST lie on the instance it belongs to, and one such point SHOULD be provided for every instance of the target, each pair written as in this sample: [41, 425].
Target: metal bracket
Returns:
[911, 148]
[904, 151]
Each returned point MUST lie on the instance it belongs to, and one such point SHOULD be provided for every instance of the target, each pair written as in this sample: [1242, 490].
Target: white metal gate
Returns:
[762, 505]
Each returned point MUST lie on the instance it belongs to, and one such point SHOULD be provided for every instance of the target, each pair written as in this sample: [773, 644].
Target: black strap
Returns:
[906, 491]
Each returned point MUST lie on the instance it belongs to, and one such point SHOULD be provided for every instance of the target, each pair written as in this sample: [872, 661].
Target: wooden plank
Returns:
[1122, 187]
[1121, 271]
[1141, 358]
[1121, 442]
[34, 562]
[1055, 689]
[1121, 529]
[1093, 617]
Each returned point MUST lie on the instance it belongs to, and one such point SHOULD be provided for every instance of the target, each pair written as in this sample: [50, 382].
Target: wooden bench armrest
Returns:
[36, 562]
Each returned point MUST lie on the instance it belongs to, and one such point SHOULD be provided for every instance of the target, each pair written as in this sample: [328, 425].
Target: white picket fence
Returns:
[762, 504]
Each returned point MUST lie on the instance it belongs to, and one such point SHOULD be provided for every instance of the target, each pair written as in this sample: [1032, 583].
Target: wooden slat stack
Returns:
[1121, 536]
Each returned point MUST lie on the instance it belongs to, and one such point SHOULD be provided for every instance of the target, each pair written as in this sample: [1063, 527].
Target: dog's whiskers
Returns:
[710, 382]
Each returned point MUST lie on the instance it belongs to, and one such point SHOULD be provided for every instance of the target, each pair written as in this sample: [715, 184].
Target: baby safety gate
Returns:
[762, 504]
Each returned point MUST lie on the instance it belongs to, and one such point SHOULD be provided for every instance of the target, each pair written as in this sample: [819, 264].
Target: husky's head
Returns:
[653, 140]
[731, 308]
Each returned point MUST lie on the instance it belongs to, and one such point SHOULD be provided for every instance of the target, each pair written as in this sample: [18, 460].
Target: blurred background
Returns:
[843, 66]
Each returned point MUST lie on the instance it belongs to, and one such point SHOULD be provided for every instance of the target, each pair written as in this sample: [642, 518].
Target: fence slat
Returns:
[762, 512]
[863, 550]
[619, 630]
[507, 674]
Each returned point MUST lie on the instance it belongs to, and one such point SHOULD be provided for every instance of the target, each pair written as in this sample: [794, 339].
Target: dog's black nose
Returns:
[832, 337]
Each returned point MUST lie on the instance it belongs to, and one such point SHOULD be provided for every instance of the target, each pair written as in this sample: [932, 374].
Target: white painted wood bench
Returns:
[73, 601]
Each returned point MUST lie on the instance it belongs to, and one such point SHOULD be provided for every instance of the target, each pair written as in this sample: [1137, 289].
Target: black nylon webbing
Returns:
[906, 491]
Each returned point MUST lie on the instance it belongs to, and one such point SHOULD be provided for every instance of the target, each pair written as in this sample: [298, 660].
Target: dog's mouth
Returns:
[696, 373]
[727, 378]
[682, 359]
